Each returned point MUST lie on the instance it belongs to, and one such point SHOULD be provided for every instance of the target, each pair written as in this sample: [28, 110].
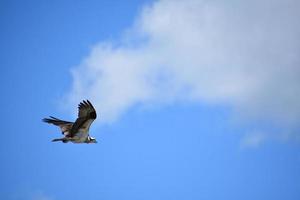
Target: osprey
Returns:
[78, 131]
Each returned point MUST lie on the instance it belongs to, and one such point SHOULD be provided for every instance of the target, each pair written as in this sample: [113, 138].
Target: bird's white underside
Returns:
[83, 133]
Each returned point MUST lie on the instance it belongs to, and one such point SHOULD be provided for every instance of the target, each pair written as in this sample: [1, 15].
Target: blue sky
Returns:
[196, 99]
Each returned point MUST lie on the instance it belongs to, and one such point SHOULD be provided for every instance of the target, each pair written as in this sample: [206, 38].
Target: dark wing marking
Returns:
[86, 115]
[65, 126]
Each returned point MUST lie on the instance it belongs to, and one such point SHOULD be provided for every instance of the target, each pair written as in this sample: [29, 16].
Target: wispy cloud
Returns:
[41, 196]
[253, 139]
[241, 53]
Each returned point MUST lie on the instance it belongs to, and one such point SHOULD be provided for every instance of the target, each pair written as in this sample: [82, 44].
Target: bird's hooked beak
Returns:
[92, 140]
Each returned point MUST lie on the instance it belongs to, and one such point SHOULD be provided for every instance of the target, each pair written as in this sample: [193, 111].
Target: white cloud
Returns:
[253, 139]
[41, 196]
[241, 53]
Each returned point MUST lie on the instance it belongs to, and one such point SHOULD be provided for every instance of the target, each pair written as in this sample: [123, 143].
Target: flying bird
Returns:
[78, 131]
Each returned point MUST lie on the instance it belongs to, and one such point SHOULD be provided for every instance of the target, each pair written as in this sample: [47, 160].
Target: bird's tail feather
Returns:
[64, 140]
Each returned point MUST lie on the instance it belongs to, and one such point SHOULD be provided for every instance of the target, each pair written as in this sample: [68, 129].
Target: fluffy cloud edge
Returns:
[215, 52]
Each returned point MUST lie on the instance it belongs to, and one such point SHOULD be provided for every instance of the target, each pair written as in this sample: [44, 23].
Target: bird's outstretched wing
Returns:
[86, 116]
[65, 126]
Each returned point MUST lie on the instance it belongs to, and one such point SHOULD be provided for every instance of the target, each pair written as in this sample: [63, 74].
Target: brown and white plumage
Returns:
[77, 132]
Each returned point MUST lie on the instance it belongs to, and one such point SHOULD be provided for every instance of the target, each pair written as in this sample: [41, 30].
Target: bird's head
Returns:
[92, 140]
